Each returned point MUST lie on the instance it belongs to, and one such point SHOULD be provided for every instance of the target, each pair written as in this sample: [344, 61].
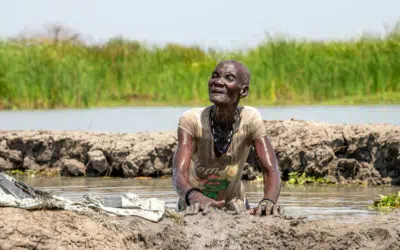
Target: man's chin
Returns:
[217, 100]
[221, 101]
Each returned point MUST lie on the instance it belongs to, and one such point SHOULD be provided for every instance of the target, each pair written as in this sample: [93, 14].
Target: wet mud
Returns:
[46, 229]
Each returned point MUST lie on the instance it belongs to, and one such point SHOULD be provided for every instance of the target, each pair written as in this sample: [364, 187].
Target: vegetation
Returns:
[34, 173]
[58, 74]
[387, 203]
[296, 178]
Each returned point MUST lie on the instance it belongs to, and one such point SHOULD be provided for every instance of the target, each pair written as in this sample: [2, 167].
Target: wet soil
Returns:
[46, 229]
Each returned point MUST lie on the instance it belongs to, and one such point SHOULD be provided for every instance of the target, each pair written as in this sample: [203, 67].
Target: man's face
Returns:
[225, 86]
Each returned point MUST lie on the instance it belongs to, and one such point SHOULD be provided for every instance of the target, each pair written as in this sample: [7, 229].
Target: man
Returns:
[214, 143]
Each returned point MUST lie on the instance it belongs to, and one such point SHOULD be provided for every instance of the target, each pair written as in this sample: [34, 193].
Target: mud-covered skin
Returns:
[266, 207]
[46, 229]
[229, 82]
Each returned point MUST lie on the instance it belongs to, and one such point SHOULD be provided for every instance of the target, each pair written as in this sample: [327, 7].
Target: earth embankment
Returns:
[368, 154]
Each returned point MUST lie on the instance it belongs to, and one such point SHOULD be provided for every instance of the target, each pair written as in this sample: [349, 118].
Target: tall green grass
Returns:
[283, 71]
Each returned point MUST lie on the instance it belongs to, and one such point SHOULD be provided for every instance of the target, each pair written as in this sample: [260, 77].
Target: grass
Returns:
[284, 72]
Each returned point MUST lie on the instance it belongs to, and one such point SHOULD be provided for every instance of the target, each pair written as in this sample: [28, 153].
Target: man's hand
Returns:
[266, 207]
[201, 203]
[236, 206]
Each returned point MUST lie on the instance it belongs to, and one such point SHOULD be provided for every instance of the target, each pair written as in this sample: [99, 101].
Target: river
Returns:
[138, 119]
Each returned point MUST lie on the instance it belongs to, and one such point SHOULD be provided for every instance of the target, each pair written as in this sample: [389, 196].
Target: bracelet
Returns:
[188, 193]
[266, 199]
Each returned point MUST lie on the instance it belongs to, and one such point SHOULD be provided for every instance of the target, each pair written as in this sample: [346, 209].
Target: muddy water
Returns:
[310, 201]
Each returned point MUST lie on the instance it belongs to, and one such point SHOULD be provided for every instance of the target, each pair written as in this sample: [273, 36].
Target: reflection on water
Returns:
[310, 201]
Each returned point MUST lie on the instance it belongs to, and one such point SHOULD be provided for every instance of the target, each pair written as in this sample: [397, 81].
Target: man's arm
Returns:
[272, 177]
[180, 176]
[181, 163]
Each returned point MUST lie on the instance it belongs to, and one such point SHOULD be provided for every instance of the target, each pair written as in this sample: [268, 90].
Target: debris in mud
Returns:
[15, 193]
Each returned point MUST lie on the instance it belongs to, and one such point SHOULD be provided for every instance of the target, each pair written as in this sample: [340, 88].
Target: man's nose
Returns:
[218, 82]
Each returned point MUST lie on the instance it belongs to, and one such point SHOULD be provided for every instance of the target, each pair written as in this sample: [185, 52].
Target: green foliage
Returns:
[34, 173]
[284, 71]
[296, 178]
[15, 172]
[386, 203]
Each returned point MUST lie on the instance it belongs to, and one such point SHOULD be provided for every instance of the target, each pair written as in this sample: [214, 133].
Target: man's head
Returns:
[229, 82]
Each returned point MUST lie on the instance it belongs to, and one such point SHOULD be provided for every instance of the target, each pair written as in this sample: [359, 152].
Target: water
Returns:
[137, 119]
[310, 201]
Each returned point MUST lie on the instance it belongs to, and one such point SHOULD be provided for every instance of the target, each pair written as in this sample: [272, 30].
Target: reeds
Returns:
[283, 71]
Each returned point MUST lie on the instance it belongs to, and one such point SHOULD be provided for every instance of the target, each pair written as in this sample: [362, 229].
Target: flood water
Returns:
[139, 119]
[310, 201]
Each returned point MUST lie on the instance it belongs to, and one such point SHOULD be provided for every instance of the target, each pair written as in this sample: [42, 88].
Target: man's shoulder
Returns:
[190, 120]
[249, 111]
[194, 115]
[193, 112]
[253, 122]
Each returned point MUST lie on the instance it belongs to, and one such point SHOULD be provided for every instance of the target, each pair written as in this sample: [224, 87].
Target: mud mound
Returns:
[21, 229]
[222, 231]
[367, 154]
[92, 154]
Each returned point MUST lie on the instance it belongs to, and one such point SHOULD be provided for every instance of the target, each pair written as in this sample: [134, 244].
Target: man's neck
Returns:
[225, 113]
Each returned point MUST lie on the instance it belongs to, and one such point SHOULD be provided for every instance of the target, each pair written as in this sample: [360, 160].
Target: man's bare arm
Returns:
[181, 163]
[272, 176]
[180, 175]
[272, 179]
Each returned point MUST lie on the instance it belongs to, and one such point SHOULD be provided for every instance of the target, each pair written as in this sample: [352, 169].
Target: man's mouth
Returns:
[217, 91]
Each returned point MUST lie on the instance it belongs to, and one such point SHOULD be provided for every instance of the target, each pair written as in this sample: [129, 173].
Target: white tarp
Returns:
[14, 193]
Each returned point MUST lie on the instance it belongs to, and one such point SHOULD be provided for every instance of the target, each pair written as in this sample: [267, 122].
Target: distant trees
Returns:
[52, 33]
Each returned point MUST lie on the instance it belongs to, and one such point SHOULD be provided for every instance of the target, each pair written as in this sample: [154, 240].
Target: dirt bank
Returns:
[343, 153]
[21, 229]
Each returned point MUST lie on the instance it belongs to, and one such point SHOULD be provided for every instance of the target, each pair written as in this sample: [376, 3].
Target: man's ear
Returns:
[244, 91]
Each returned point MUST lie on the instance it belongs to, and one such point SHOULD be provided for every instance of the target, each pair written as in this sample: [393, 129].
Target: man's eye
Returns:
[214, 75]
[230, 77]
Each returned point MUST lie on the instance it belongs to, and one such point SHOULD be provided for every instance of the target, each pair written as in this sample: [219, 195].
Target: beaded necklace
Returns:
[222, 133]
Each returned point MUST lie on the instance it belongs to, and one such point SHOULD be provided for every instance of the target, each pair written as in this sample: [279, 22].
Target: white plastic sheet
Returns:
[126, 204]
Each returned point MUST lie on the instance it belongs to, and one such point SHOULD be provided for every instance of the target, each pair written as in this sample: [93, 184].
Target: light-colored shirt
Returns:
[219, 177]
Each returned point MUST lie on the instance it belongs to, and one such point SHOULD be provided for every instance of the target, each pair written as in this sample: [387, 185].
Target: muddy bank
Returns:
[92, 154]
[368, 154]
[21, 229]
